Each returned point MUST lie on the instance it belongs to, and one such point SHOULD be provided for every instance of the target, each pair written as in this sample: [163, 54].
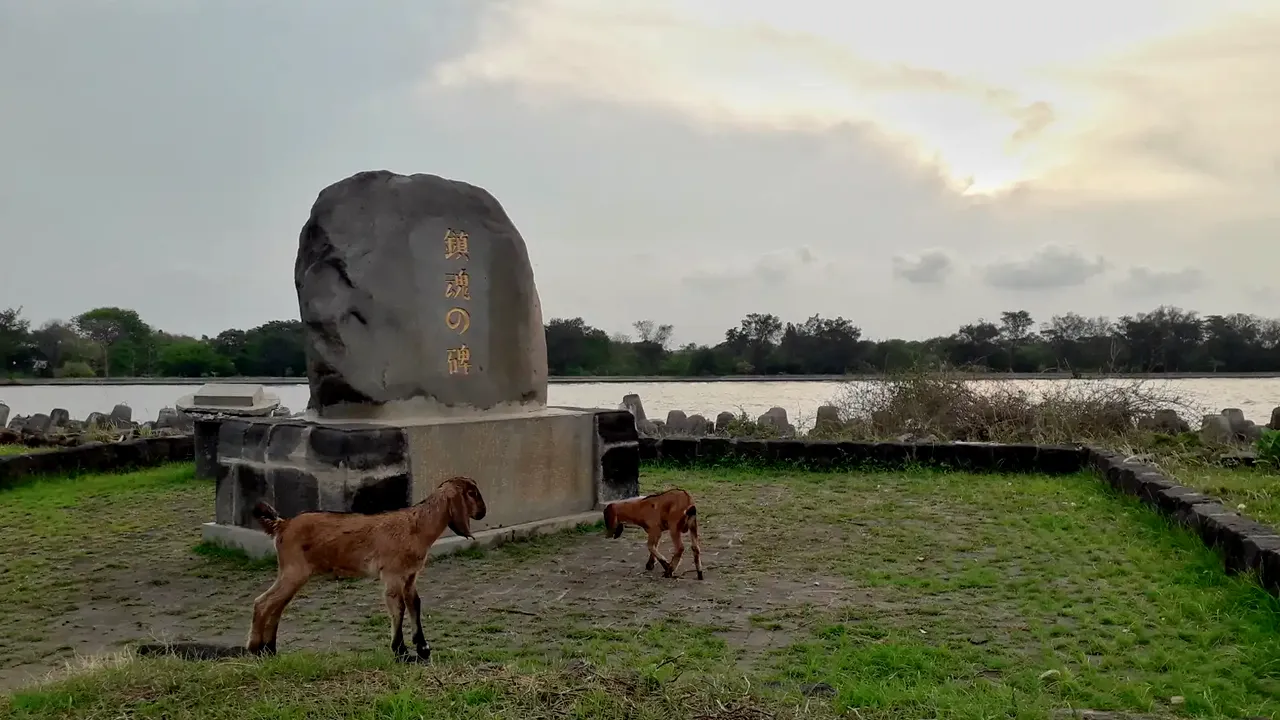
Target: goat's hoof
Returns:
[424, 653]
[699, 574]
[263, 650]
[408, 659]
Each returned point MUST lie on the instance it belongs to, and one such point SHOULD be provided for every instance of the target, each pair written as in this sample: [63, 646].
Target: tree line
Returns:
[116, 342]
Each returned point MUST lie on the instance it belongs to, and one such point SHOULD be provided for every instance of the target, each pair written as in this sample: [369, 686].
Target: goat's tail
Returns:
[691, 517]
[268, 518]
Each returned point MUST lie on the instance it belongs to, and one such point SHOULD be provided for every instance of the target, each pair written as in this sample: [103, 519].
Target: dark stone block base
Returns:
[300, 467]
[617, 448]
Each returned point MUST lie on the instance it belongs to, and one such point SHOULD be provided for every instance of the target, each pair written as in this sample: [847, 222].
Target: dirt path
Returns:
[522, 594]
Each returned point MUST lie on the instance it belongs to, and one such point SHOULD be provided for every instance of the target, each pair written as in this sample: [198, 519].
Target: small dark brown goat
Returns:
[391, 546]
[670, 511]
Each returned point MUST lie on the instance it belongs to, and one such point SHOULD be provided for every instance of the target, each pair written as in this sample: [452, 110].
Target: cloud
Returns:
[1049, 268]
[689, 161]
[1145, 281]
[931, 267]
[771, 268]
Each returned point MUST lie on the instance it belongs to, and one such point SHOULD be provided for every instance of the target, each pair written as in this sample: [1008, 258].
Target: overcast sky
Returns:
[912, 165]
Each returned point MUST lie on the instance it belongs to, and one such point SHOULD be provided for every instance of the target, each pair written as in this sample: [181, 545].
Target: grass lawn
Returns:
[17, 449]
[928, 595]
[1258, 489]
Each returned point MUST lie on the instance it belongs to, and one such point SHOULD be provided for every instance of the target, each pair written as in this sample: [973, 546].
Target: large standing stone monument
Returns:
[426, 359]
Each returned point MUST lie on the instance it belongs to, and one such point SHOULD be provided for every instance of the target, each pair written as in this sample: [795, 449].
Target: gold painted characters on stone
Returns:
[458, 320]
[457, 245]
[459, 360]
[457, 285]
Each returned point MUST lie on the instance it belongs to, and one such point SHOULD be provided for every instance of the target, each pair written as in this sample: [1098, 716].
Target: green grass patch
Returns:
[368, 686]
[62, 534]
[21, 450]
[879, 595]
[222, 556]
[1257, 489]
[984, 584]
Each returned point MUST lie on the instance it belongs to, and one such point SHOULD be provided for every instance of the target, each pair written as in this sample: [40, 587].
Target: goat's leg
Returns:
[655, 536]
[414, 603]
[697, 547]
[395, 608]
[677, 552]
[267, 609]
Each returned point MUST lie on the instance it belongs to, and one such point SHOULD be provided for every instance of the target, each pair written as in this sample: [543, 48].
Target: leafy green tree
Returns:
[822, 346]
[576, 348]
[193, 358]
[651, 348]
[754, 341]
[121, 336]
[57, 343]
[15, 342]
[277, 349]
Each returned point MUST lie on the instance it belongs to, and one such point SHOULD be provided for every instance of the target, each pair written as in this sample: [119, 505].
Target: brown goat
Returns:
[669, 511]
[392, 546]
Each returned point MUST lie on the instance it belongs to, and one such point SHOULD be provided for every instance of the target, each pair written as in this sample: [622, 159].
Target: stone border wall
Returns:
[98, 458]
[618, 456]
[1246, 545]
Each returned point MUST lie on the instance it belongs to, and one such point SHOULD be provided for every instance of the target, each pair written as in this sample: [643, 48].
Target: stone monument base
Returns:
[541, 471]
[257, 544]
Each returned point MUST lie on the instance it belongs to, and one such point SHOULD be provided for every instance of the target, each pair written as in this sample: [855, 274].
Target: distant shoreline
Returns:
[591, 380]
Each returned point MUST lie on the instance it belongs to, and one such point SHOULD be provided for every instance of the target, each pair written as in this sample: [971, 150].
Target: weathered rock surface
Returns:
[1216, 430]
[1275, 419]
[1164, 421]
[631, 401]
[173, 419]
[828, 419]
[676, 422]
[723, 420]
[59, 417]
[1235, 416]
[38, 423]
[776, 417]
[4, 414]
[418, 297]
[1251, 433]
[697, 425]
[122, 415]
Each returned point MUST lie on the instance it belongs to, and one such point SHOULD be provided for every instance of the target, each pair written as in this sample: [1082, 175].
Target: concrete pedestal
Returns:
[547, 469]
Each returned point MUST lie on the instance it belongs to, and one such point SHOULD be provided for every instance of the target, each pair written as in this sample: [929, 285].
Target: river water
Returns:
[1255, 396]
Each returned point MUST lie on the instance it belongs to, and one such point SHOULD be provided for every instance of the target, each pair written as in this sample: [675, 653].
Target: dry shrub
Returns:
[952, 406]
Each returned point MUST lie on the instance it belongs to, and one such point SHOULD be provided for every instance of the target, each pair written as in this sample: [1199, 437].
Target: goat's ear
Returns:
[459, 517]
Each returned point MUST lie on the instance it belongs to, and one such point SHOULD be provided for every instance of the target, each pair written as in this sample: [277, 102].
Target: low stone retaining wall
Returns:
[832, 455]
[98, 458]
[1246, 545]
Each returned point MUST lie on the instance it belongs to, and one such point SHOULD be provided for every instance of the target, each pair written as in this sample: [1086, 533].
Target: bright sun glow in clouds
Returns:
[994, 92]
